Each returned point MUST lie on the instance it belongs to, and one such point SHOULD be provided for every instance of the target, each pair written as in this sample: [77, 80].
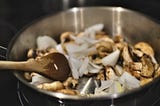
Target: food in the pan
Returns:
[118, 65]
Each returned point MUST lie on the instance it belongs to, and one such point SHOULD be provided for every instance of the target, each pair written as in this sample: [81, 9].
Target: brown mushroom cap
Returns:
[145, 47]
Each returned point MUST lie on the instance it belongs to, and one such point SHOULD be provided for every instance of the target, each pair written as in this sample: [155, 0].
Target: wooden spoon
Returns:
[54, 65]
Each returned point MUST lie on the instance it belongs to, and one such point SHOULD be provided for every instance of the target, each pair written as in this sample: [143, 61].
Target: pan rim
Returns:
[64, 96]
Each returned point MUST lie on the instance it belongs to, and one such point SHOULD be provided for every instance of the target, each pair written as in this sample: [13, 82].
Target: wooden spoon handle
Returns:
[14, 65]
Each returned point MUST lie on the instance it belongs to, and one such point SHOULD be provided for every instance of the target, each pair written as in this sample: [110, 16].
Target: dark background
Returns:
[15, 14]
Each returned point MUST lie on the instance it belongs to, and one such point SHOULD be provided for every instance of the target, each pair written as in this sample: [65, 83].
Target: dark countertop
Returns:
[14, 14]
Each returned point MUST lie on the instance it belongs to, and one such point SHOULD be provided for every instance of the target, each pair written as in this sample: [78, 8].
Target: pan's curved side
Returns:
[133, 26]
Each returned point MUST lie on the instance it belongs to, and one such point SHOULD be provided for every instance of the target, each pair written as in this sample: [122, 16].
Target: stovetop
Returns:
[15, 14]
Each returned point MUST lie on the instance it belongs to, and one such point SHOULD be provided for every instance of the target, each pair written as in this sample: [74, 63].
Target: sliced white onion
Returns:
[86, 52]
[104, 88]
[119, 69]
[59, 48]
[90, 31]
[84, 39]
[92, 69]
[96, 27]
[75, 65]
[83, 69]
[72, 47]
[105, 84]
[111, 59]
[129, 81]
[95, 66]
[44, 42]
[39, 79]
[115, 88]
[78, 39]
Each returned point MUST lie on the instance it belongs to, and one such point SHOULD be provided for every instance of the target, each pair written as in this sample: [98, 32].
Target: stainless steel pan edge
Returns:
[133, 25]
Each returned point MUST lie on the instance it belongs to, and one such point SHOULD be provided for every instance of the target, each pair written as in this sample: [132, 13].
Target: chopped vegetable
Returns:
[116, 64]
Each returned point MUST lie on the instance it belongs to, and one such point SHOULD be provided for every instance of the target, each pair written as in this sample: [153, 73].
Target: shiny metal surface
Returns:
[87, 85]
[133, 26]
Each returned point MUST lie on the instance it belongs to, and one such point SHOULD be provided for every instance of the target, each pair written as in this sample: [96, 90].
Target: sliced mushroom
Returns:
[92, 53]
[31, 53]
[126, 55]
[110, 73]
[120, 45]
[145, 48]
[54, 86]
[136, 66]
[101, 75]
[144, 81]
[68, 91]
[118, 39]
[137, 74]
[105, 38]
[138, 53]
[95, 58]
[100, 35]
[104, 48]
[157, 72]
[147, 66]
[66, 37]
[70, 83]
[28, 76]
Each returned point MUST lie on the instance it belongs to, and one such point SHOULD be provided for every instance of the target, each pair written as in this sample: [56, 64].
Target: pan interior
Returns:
[133, 26]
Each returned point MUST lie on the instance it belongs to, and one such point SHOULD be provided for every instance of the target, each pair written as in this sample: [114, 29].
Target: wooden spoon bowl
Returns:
[54, 66]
